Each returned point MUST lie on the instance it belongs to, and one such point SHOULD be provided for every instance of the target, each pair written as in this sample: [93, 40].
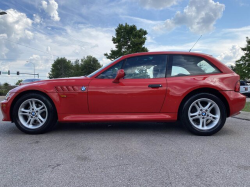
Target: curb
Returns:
[241, 118]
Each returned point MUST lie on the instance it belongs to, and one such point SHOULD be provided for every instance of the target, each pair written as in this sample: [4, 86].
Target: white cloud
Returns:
[14, 28]
[36, 18]
[157, 4]
[199, 16]
[39, 62]
[231, 55]
[51, 9]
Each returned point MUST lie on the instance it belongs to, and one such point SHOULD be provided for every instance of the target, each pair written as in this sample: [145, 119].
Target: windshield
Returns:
[95, 72]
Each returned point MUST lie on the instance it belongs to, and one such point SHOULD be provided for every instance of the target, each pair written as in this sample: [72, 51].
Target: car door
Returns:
[142, 90]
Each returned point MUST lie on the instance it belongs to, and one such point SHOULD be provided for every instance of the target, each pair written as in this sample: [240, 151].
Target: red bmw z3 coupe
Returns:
[194, 88]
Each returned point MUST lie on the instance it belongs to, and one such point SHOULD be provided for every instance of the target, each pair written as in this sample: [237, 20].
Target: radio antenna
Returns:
[195, 43]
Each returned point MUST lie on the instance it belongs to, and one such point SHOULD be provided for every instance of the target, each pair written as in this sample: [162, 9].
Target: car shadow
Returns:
[120, 127]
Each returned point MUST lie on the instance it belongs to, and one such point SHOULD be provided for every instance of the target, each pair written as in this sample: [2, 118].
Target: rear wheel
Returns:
[203, 114]
[34, 114]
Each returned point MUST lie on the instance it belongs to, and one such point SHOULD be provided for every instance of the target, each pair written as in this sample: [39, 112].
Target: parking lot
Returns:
[125, 154]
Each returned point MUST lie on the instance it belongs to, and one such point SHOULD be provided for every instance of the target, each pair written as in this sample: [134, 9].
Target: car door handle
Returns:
[154, 85]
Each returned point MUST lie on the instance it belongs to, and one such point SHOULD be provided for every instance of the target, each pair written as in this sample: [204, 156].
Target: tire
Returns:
[34, 113]
[203, 114]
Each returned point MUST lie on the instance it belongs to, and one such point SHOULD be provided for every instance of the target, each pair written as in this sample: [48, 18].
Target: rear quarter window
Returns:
[184, 65]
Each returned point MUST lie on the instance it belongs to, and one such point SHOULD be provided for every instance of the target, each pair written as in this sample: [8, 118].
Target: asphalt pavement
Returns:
[125, 154]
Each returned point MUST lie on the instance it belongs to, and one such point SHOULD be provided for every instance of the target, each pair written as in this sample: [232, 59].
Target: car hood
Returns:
[48, 85]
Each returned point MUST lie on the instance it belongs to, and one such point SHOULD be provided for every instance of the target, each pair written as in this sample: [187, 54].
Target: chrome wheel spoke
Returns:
[40, 108]
[214, 116]
[194, 114]
[201, 121]
[197, 107]
[208, 105]
[211, 107]
[28, 121]
[25, 112]
[31, 122]
[40, 111]
[33, 104]
[199, 104]
[40, 119]
[204, 123]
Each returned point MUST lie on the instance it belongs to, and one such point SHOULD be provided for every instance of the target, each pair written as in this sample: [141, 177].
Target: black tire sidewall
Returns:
[51, 119]
[185, 119]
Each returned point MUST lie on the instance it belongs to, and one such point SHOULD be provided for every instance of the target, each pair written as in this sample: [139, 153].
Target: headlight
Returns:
[7, 95]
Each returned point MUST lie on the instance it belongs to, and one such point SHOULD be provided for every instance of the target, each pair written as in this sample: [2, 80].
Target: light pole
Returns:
[34, 67]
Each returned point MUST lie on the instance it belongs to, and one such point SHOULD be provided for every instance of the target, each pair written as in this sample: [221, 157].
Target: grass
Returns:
[247, 107]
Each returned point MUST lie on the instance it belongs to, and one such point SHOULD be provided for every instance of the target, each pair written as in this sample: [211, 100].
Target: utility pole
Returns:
[34, 67]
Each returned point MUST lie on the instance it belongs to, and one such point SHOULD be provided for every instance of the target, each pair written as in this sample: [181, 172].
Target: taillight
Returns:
[237, 86]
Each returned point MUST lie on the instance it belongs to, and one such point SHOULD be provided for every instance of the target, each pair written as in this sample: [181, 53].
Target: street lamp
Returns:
[2, 13]
[34, 67]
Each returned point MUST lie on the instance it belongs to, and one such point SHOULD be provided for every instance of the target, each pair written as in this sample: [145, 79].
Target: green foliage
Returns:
[18, 82]
[61, 68]
[77, 68]
[5, 88]
[247, 107]
[89, 65]
[128, 39]
[65, 68]
[242, 66]
[6, 84]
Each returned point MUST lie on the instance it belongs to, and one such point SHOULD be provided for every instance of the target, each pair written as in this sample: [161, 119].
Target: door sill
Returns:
[157, 117]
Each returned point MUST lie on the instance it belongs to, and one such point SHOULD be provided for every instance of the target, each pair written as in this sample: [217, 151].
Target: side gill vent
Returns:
[67, 88]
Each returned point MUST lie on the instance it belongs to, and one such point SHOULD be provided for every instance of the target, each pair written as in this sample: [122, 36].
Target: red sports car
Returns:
[194, 88]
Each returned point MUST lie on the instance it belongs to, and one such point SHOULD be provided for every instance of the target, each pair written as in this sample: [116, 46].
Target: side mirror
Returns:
[120, 74]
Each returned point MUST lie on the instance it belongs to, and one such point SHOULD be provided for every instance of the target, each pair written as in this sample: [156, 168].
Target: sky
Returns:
[35, 33]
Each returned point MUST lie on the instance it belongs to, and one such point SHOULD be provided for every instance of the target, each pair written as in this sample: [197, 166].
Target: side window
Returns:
[184, 65]
[145, 67]
[179, 71]
[111, 72]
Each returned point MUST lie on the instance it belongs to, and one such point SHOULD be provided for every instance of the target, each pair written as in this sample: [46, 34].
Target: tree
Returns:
[18, 82]
[89, 65]
[242, 66]
[128, 39]
[77, 68]
[61, 68]
[6, 84]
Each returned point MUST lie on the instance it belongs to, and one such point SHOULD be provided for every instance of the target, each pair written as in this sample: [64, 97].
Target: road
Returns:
[125, 154]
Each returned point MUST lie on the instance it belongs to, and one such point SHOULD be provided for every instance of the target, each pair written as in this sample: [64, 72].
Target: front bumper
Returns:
[5, 108]
[236, 101]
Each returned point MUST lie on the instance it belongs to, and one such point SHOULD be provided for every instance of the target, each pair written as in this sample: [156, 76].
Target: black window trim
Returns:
[170, 62]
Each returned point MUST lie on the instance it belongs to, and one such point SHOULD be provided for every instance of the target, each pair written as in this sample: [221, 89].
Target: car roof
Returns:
[210, 58]
[168, 52]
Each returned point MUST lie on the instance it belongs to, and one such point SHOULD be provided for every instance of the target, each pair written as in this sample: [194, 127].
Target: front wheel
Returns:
[34, 114]
[203, 114]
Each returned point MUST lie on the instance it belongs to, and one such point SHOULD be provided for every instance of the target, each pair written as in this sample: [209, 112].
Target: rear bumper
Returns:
[5, 108]
[236, 101]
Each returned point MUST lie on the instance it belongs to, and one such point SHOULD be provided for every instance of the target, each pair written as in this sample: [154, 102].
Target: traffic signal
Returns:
[0, 72]
[17, 73]
[8, 72]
